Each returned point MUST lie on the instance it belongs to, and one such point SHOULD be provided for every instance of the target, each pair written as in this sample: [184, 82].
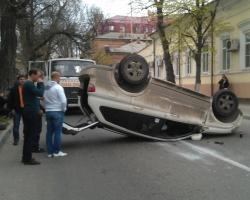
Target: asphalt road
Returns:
[105, 166]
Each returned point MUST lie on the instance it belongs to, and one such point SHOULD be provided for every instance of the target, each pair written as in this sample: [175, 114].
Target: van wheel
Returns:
[225, 104]
[134, 69]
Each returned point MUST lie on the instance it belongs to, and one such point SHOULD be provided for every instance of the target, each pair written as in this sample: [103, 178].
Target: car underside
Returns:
[126, 100]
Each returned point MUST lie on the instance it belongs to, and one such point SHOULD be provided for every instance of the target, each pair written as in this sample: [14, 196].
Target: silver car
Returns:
[126, 100]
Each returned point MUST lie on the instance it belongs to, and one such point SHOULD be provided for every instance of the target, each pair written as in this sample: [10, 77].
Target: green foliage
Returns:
[4, 120]
[101, 57]
[57, 28]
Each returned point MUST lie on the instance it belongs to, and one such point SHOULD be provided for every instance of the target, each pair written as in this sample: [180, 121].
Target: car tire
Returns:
[225, 104]
[124, 85]
[134, 70]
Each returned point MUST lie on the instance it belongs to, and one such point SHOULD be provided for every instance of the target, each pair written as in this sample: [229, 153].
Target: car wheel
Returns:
[225, 103]
[134, 69]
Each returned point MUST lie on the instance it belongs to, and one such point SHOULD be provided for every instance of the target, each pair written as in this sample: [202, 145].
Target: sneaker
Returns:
[50, 155]
[60, 154]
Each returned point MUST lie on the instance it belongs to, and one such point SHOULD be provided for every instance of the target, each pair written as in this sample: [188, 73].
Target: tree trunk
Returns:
[26, 28]
[8, 47]
[198, 71]
[165, 43]
[199, 47]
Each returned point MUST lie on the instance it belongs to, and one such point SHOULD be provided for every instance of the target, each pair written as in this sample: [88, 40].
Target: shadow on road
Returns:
[103, 142]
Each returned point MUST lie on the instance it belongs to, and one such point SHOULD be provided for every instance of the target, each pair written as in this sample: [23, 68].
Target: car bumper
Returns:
[217, 127]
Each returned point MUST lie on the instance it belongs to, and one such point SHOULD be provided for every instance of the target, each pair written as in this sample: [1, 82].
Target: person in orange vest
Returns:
[16, 105]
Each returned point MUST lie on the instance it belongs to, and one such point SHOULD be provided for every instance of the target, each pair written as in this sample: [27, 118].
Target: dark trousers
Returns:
[29, 129]
[36, 138]
[16, 124]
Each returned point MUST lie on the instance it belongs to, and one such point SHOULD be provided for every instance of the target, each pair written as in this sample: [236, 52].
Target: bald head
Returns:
[55, 76]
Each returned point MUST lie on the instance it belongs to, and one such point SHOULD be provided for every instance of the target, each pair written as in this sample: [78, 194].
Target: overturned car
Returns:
[126, 100]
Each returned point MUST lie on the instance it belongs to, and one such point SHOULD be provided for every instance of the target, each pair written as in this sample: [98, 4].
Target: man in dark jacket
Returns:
[30, 111]
[16, 104]
[36, 139]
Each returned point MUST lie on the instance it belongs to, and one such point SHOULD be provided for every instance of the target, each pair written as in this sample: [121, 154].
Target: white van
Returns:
[70, 69]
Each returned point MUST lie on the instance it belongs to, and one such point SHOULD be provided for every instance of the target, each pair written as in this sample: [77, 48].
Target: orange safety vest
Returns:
[20, 91]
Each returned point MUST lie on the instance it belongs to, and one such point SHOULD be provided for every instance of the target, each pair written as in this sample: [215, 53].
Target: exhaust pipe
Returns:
[73, 130]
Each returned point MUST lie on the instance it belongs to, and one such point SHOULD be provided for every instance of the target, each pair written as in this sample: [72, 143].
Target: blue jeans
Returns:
[16, 124]
[54, 131]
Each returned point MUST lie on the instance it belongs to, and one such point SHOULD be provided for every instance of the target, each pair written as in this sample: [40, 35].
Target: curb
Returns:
[4, 135]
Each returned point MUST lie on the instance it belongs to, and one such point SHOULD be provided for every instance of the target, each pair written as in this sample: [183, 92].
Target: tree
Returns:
[196, 22]
[162, 12]
[101, 57]
[10, 12]
[164, 40]
[63, 28]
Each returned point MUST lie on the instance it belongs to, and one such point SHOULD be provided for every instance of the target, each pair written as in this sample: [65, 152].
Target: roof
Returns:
[132, 47]
[128, 19]
[123, 36]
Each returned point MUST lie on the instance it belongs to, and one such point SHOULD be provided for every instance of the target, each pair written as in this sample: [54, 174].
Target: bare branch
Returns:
[42, 10]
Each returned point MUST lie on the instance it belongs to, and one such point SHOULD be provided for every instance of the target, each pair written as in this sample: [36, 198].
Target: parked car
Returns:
[126, 100]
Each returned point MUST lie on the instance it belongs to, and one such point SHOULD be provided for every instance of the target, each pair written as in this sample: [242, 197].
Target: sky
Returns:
[113, 7]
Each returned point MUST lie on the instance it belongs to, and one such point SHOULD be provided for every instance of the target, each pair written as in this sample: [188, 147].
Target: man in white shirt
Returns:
[55, 106]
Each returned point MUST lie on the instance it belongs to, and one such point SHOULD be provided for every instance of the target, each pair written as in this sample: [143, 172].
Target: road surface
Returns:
[105, 166]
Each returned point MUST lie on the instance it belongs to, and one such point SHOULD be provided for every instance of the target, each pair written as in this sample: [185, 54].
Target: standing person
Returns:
[31, 108]
[55, 106]
[223, 83]
[16, 104]
[36, 139]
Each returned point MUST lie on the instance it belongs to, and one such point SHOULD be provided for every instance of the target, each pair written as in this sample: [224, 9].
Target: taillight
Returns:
[91, 88]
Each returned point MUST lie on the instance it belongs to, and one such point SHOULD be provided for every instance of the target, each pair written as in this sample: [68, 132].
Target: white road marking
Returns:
[190, 156]
[216, 155]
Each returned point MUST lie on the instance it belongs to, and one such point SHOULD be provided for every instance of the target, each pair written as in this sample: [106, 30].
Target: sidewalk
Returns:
[5, 134]
[245, 108]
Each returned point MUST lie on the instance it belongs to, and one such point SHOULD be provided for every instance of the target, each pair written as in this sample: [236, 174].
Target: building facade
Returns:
[117, 45]
[229, 53]
[127, 24]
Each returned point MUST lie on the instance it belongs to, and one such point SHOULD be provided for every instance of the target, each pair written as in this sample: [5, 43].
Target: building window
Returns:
[204, 62]
[189, 63]
[111, 28]
[226, 56]
[122, 29]
[137, 29]
[247, 52]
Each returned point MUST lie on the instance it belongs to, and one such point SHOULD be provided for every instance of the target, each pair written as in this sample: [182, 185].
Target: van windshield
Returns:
[69, 68]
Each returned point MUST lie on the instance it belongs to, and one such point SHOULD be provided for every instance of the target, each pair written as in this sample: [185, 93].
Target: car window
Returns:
[69, 68]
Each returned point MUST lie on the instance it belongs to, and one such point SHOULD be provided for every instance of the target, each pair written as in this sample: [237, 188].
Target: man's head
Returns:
[21, 79]
[34, 75]
[55, 76]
